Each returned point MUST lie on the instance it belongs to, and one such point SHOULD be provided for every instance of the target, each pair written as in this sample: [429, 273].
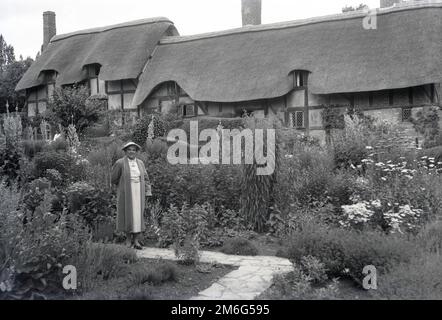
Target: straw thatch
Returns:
[255, 62]
[121, 50]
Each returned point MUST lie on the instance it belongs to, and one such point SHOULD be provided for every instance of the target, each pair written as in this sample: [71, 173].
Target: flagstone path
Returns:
[253, 277]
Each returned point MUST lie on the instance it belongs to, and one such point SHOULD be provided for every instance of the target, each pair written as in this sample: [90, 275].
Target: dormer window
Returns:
[95, 85]
[300, 78]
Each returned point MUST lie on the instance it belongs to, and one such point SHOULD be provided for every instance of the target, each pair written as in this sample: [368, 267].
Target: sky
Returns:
[21, 21]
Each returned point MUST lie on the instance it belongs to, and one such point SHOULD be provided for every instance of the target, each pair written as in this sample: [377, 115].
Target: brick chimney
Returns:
[389, 3]
[49, 28]
[251, 12]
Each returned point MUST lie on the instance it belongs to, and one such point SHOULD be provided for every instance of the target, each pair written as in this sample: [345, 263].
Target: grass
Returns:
[148, 279]
[239, 246]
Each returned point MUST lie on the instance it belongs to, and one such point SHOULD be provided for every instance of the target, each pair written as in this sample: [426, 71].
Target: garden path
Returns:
[253, 277]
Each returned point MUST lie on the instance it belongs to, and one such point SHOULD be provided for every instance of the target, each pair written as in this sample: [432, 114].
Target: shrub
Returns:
[103, 262]
[347, 252]
[32, 147]
[74, 105]
[10, 163]
[417, 280]
[315, 269]
[43, 245]
[142, 128]
[297, 285]
[238, 246]
[95, 206]
[155, 275]
[430, 238]
[70, 169]
[156, 148]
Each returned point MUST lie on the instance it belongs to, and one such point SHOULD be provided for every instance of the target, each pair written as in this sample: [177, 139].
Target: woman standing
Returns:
[132, 180]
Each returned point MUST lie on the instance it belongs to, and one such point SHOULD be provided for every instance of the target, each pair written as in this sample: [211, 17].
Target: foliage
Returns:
[102, 262]
[95, 206]
[417, 280]
[73, 106]
[349, 144]
[156, 148]
[361, 6]
[239, 246]
[70, 169]
[11, 71]
[195, 184]
[426, 122]
[141, 131]
[298, 285]
[41, 247]
[315, 269]
[163, 272]
[257, 190]
[347, 252]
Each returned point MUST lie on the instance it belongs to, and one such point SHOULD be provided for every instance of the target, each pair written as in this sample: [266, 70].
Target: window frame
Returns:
[406, 119]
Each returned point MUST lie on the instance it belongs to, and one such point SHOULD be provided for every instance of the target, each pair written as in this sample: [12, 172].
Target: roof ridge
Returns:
[111, 27]
[302, 22]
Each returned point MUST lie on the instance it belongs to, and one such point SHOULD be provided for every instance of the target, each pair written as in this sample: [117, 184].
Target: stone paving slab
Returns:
[253, 277]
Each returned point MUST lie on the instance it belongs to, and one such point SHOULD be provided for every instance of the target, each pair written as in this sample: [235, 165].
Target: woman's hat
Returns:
[130, 144]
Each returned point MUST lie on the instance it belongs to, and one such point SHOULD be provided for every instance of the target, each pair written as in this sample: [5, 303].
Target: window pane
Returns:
[93, 84]
[113, 86]
[406, 114]
[300, 119]
[33, 95]
[31, 109]
[128, 85]
[102, 86]
[114, 102]
[41, 107]
[128, 97]
[42, 93]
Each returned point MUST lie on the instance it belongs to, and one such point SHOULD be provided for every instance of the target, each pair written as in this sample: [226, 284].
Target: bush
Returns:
[155, 275]
[141, 131]
[297, 285]
[315, 269]
[430, 238]
[95, 206]
[10, 164]
[32, 147]
[103, 262]
[74, 105]
[241, 247]
[417, 280]
[43, 245]
[195, 184]
[347, 252]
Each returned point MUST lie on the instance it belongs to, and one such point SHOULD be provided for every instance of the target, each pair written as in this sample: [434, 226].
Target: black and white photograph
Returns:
[234, 152]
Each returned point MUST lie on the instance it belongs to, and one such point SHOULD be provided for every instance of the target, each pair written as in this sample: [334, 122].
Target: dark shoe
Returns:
[137, 246]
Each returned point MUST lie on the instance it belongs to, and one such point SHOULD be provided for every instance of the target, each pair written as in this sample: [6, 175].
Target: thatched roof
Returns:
[254, 62]
[121, 50]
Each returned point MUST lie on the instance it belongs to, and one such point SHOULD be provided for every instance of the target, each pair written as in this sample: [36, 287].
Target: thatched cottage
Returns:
[387, 62]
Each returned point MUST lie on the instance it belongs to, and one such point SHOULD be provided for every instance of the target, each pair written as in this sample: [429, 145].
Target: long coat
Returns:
[121, 178]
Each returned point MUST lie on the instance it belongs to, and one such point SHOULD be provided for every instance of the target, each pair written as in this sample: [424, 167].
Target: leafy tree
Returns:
[362, 6]
[11, 71]
[7, 55]
[72, 105]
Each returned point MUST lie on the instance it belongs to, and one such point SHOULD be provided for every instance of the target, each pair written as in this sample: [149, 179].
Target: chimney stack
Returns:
[251, 12]
[49, 28]
[389, 3]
